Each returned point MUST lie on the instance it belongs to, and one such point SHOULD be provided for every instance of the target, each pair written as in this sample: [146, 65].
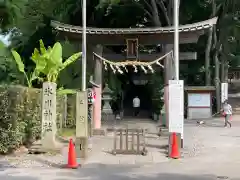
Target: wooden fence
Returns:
[131, 141]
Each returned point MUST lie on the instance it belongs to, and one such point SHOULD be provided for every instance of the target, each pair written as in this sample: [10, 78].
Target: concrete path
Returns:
[211, 152]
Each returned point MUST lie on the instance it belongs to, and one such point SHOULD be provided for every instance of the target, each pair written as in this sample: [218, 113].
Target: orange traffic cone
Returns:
[175, 150]
[72, 161]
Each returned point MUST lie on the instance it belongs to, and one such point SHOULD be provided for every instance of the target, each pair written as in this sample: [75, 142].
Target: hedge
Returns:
[20, 116]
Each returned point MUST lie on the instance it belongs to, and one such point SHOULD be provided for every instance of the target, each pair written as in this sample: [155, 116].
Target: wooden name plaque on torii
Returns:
[132, 48]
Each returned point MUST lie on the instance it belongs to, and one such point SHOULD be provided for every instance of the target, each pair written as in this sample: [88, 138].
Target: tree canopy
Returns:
[31, 21]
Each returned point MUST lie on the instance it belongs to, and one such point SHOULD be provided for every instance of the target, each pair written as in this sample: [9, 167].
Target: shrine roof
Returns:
[154, 30]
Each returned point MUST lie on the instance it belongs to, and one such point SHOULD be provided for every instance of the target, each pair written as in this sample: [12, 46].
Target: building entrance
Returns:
[136, 85]
[143, 92]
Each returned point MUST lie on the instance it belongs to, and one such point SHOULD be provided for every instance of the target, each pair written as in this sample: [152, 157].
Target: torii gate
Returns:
[133, 37]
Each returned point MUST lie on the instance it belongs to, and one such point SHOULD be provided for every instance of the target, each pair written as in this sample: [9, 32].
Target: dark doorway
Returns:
[144, 94]
[135, 84]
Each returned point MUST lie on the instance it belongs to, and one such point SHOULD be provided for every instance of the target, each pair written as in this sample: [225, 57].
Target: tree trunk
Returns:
[222, 69]
[207, 58]
[216, 61]
[226, 72]
[217, 72]
[170, 10]
[224, 66]
[156, 20]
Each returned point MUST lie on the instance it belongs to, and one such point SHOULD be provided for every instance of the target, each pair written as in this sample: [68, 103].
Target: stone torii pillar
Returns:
[168, 75]
[98, 90]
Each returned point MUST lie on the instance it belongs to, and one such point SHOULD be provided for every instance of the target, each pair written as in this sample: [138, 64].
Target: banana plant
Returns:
[33, 76]
[51, 61]
[48, 62]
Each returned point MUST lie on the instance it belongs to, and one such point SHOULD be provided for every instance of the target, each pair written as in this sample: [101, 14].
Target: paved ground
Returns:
[210, 152]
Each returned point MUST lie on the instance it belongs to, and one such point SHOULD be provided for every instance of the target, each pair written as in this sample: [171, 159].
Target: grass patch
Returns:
[67, 132]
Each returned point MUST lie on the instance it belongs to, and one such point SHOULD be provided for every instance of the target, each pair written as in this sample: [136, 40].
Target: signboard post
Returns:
[81, 124]
[224, 92]
[176, 107]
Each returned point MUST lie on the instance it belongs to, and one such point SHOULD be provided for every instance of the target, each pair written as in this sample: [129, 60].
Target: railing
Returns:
[130, 141]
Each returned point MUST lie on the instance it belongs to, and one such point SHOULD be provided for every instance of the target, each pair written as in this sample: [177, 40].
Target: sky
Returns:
[5, 39]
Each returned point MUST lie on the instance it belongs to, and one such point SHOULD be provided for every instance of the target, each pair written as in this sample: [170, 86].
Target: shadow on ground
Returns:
[5, 167]
[127, 172]
[105, 172]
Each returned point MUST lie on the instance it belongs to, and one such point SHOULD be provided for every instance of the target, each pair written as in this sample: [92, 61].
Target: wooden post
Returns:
[49, 127]
[81, 124]
[98, 80]
[168, 73]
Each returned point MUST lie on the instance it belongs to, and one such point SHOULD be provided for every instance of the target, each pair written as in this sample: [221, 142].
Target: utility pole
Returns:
[176, 58]
[176, 38]
[84, 44]
[81, 141]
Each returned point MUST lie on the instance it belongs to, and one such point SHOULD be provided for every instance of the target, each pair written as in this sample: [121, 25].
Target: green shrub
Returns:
[20, 115]
[32, 115]
[12, 125]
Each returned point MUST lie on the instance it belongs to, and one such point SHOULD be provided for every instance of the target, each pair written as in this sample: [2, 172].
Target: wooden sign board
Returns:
[176, 106]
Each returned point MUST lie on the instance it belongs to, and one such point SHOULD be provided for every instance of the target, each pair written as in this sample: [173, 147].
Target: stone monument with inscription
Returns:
[82, 124]
[49, 127]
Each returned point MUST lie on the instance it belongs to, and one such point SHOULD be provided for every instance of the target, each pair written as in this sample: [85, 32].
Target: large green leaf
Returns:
[41, 64]
[56, 54]
[42, 47]
[39, 60]
[35, 55]
[71, 60]
[18, 60]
